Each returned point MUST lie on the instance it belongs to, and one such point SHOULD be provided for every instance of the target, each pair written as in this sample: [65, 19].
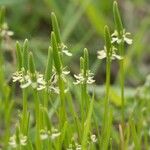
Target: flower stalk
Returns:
[58, 67]
[36, 101]
[105, 134]
[119, 29]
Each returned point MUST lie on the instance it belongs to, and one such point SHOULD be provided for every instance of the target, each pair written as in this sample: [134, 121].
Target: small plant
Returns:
[58, 111]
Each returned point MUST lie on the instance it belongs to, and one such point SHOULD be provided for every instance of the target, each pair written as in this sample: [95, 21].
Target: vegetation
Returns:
[46, 105]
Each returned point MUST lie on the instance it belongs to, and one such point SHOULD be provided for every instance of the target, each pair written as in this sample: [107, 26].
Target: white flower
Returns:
[44, 134]
[80, 79]
[103, 54]
[26, 80]
[4, 32]
[52, 84]
[115, 37]
[65, 49]
[78, 147]
[22, 141]
[74, 146]
[53, 134]
[93, 138]
[17, 76]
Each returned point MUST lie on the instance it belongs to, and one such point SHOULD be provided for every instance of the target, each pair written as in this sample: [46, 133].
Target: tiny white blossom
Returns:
[54, 134]
[65, 50]
[93, 138]
[115, 37]
[80, 79]
[103, 54]
[75, 146]
[53, 83]
[46, 134]
[22, 141]
[4, 32]
[26, 80]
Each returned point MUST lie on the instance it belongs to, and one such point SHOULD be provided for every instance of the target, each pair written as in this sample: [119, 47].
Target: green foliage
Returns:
[56, 55]
[55, 109]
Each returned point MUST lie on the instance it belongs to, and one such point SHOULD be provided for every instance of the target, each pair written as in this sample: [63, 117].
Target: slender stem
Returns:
[24, 114]
[84, 102]
[121, 47]
[122, 89]
[45, 105]
[62, 99]
[121, 75]
[1, 70]
[46, 98]
[37, 116]
[107, 85]
[106, 105]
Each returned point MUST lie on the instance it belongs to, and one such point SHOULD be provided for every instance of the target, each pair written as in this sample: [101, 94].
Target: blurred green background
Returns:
[81, 23]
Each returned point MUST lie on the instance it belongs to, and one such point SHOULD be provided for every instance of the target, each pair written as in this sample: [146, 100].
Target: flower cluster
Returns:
[26, 80]
[52, 84]
[74, 146]
[113, 55]
[124, 38]
[46, 134]
[81, 79]
[13, 141]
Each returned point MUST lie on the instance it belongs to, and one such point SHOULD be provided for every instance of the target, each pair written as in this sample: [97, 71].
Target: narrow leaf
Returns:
[55, 27]
[19, 55]
[107, 40]
[86, 61]
[25, 55]
[56, 56]
[48, 71]
[117, 18]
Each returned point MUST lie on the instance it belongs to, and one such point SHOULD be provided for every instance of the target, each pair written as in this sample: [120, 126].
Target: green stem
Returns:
[122, 90]
[121, 47]
[45, 105]
[62, 100]
[84, 105]
[107, 86]
[24, 114]
[37, 116]
[46, 98]
[106, 106]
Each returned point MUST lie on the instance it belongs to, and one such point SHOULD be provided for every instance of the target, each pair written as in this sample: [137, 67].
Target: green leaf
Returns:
[56, 56]
[87, 125]
[2, 15]
[134, 135]
[32, 66]
[17, 135]
[19, 55]
[25, 55]
[81, 64]
[49, 67]
[55, 27]
[107, 41]
[117, 18]
[86, 60]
